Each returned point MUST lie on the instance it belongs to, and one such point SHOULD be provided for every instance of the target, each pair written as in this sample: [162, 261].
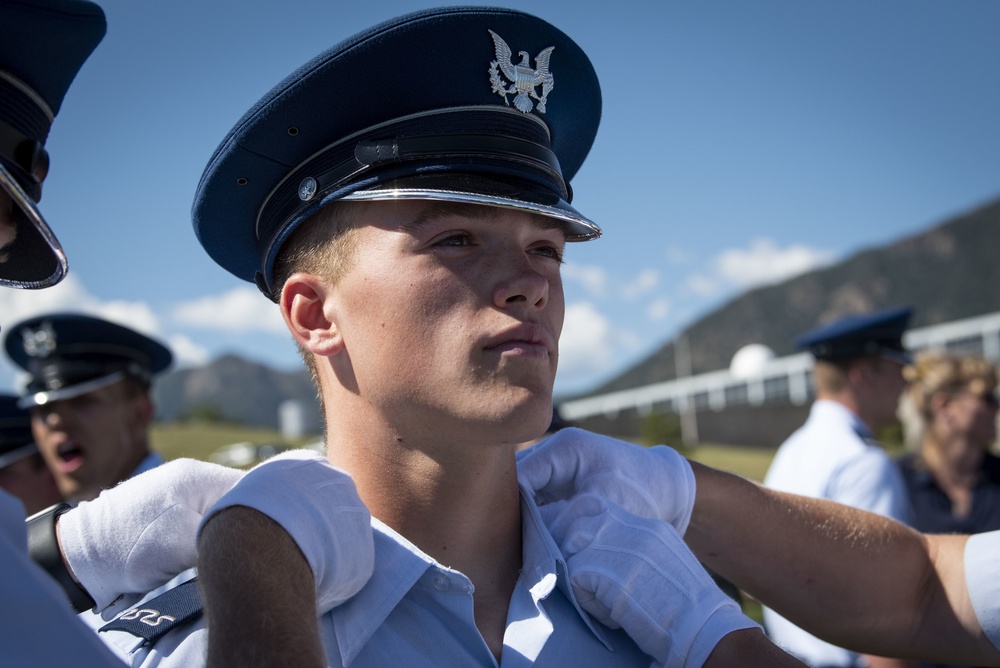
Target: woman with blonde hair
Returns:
[949, 413]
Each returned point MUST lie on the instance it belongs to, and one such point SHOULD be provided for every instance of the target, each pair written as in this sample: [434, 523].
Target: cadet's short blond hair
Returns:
[323, 245]
[830, 377]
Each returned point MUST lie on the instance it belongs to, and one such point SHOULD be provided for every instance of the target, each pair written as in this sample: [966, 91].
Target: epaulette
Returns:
[153, 619]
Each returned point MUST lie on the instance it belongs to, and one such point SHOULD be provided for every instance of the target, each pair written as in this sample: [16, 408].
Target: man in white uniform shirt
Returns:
[858, 379]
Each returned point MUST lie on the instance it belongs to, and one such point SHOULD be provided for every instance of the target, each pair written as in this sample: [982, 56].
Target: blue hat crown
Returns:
[471, 104]
[865, 335]
[68, 354]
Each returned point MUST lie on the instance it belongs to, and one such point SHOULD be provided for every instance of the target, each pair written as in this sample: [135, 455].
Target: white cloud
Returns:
[240, 310]
[187, 353]
[593, 278]
[137, 315]
[16, 305]
[70, 295]
[701, 285]
[587, 341]
[646, 280]
[764, 262]
[658, 309]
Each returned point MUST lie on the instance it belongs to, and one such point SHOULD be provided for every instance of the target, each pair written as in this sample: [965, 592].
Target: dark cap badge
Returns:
[523, 79]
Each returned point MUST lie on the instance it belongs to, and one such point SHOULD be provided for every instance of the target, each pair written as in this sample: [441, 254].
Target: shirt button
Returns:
[440, 582]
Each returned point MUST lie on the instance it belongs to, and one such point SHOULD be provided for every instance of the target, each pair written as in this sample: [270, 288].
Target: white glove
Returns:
[138, 535]
[638, 575]
[655, 482]
[319, 507]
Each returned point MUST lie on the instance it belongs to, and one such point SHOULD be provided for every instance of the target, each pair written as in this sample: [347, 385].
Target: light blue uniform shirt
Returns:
[414, 612]
[37, 625]
[148, 463]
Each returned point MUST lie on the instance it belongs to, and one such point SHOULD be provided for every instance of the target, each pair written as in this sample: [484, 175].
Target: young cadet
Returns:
[23, 472]
[89, 397]
[777, 546]
[404, 199]
[858, 377]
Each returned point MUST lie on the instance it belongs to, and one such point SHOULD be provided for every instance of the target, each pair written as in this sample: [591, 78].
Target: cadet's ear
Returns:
[304, 306]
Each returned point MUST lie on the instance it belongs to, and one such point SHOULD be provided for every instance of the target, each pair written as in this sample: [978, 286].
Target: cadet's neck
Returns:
[462, 509]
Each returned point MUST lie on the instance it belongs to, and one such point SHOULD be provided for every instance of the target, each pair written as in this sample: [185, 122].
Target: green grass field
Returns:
[199, 440]
[748, 462]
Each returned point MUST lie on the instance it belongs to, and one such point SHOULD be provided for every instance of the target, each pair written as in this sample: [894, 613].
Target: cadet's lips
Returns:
[525, 339]
[70, 457]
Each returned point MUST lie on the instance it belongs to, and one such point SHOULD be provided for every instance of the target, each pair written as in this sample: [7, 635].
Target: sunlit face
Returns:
[92, 441]
[451, 315]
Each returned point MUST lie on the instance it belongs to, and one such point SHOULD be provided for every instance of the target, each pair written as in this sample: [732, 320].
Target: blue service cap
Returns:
[16, 439]
[69, 354]
[878, 334]
[43, 44]
[465, 104]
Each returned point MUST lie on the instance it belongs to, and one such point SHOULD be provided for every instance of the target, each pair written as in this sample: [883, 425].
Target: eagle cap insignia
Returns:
[40, 342]
[521, 79]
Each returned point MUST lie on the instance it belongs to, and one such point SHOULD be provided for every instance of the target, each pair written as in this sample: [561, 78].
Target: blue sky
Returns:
[742, 142]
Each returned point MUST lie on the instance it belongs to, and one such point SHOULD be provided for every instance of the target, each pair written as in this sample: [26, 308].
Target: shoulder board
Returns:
[152, 619]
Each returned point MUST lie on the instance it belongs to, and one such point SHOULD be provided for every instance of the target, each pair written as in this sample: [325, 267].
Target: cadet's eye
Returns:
[456, 239]
[553, 252]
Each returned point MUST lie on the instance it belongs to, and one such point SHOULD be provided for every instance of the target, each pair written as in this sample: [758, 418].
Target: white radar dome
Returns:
[750, 360]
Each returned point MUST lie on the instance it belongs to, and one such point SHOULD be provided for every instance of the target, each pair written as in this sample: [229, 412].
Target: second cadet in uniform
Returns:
[89, 397]
[23, 472]
[858, 378]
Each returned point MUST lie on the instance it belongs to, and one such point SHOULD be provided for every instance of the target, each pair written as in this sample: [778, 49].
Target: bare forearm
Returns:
[885, 662]
[749, 647]
[851, 577]
[260, 602]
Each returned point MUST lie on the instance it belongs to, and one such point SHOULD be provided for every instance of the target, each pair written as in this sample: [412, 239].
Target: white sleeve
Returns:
[982, 578]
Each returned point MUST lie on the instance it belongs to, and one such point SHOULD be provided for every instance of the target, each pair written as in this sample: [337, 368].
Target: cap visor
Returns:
[474, 189]
[30, 255]
[48, 396]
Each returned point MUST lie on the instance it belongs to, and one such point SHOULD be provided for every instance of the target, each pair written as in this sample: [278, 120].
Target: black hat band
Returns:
[28, 155]
[511, 145]
[24, 125]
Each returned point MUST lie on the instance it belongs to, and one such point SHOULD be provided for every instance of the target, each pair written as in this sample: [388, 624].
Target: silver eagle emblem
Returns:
[523, 79]
[39, 342]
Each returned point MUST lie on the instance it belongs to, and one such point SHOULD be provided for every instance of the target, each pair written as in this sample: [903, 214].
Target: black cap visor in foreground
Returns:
[30, 255]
